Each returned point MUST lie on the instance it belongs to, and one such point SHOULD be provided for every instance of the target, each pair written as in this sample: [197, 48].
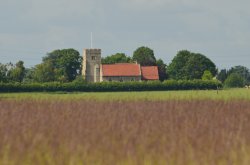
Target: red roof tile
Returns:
[121, 69]
[150, 73]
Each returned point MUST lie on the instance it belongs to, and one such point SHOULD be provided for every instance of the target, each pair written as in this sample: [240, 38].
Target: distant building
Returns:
[94, 71]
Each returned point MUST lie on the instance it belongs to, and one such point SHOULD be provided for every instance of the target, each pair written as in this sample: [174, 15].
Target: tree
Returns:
[66, 64]
[144, 56]
[234, 80]
[44, 72]
[176, 68]
[242, 71]
[3, 73]
[29, 75]
[188, 65]
[161, 69]
[207, 75]
[116, 58]
[17, 72]
[222, 75]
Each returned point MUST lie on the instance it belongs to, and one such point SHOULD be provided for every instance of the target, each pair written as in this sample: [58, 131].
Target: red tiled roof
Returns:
[150, 73]
[121, 69]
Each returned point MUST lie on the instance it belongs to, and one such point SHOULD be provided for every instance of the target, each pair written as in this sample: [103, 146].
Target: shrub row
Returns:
[110, 86]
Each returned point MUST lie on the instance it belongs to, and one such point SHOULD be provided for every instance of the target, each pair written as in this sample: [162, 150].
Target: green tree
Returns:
[17, 72]
[144, 56]
[222, 75]
[161, 69]
[44, 72]
[29, 75]
[176, 69]
[234, 80]
[207, 75]
[3, 73]
[66, 64]
[242, 71]
[116, 58]
[188, 65]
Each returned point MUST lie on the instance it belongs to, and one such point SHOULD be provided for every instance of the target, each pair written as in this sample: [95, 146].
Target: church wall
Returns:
[121, 78]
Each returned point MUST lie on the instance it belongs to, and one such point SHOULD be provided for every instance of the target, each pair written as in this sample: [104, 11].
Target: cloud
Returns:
[218, 29]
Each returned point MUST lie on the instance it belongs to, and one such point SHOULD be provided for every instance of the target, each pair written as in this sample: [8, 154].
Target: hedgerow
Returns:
[110, 86]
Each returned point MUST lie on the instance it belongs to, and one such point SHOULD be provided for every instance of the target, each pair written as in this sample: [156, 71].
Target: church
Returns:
[94, 71]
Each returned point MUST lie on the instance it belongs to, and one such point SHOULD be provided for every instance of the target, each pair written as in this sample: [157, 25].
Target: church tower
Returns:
[91, 65]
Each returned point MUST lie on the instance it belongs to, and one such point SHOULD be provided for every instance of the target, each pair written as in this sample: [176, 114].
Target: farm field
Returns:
[136, 128]
[230, 94]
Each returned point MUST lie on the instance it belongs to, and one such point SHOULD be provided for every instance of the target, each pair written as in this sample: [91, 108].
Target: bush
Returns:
[110, 86]
[207, 75]
[234, 80]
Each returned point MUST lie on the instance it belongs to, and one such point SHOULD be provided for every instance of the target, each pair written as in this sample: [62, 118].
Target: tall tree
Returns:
[66, 63]
[144, 56]
[197, 64]
[222, 75]
[176, 69]
[29, 75]
[242, 71]
[234, 80]
[188, 65]
[161, 69]
[17, 73]
[44, 72]
[116, 58]
[3, 73]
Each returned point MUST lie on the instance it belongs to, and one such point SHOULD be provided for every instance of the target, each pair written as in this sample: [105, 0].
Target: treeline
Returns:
[111, 86]
[65, 66]
[57, 66]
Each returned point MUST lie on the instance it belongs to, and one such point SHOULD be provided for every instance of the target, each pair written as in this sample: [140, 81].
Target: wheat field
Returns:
[105, 129]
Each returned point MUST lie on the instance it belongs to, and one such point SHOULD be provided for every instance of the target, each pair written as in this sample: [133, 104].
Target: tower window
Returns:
[93, 57]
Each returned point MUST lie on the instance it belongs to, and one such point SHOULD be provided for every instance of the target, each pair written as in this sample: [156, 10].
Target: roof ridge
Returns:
[122, 63]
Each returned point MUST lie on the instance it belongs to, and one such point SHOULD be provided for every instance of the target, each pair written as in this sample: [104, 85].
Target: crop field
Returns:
[126, 128]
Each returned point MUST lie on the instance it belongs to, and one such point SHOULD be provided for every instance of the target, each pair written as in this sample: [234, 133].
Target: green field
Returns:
[230, 94]
[126, 128]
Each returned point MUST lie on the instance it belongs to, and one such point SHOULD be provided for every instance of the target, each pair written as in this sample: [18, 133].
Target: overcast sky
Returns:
[219, 29]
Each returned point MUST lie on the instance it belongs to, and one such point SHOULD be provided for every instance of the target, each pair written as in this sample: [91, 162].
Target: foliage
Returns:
[79, 80]
[3, 73]
[207, 75]
[116, 58]
[144, 56]
[234, 80]
[222, 75]
[44, 72]
[243, 72]
[110, 86]
[17, 73]
[65, 63]
[161, 69]
[12, 73]
[189, 66]
[29, 75]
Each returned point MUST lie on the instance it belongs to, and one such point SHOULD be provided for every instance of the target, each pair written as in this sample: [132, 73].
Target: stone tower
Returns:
[91, 65]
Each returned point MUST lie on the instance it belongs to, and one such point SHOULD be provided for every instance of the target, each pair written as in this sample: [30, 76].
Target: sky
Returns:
[219, 29]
